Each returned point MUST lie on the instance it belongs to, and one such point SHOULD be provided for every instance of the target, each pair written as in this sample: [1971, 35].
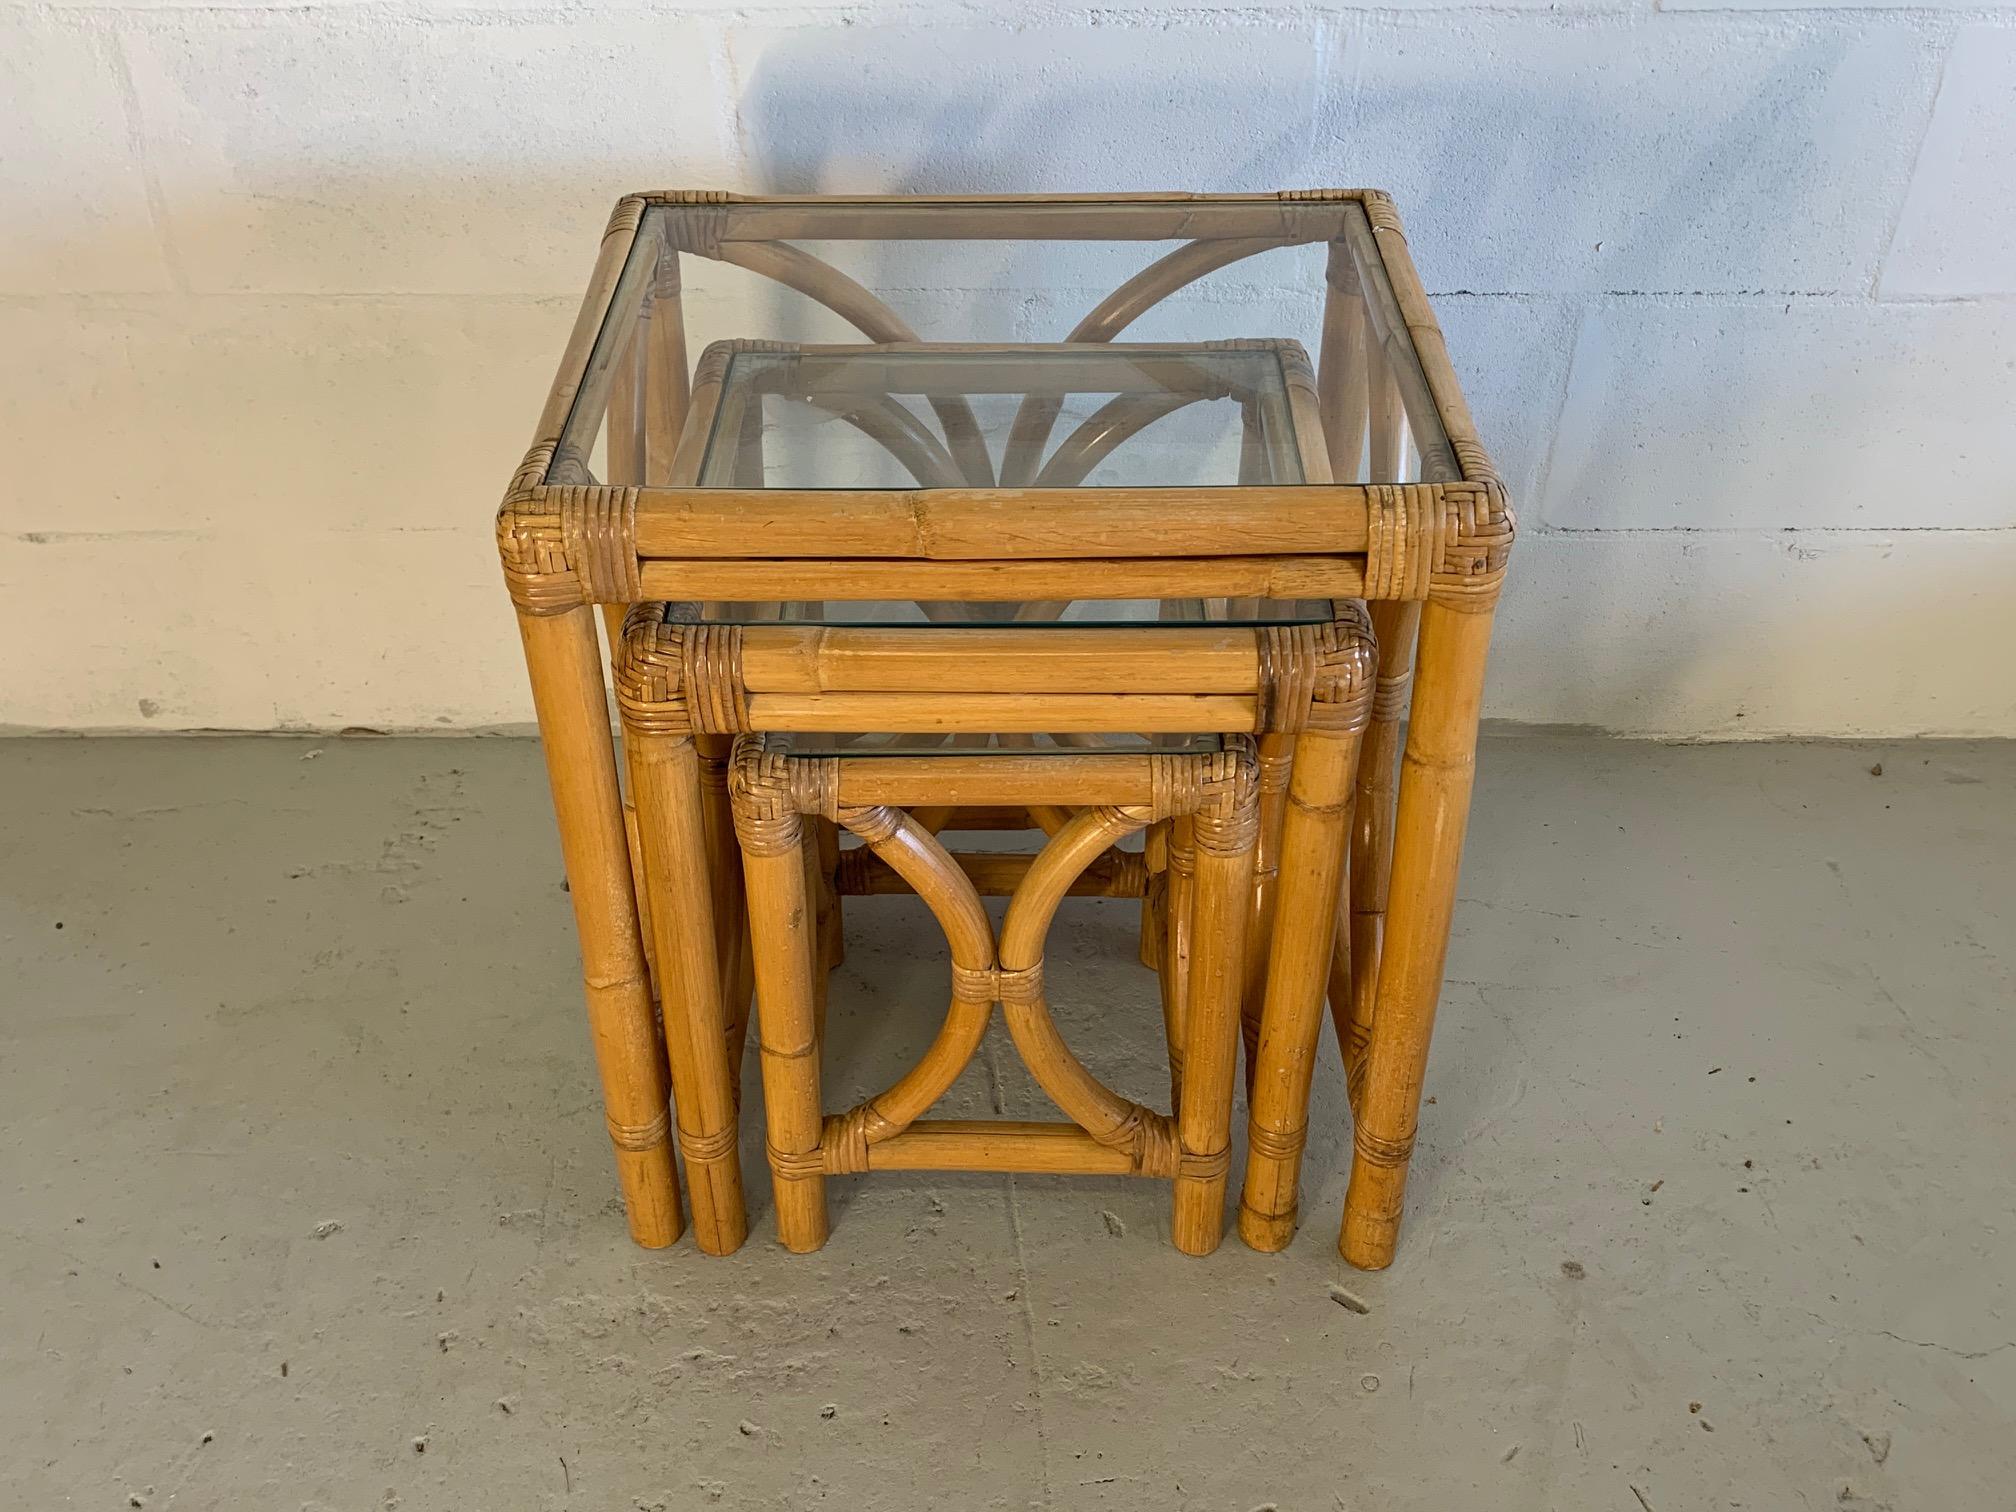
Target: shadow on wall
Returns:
[844, 110]
[859, 111]
[1592, 169]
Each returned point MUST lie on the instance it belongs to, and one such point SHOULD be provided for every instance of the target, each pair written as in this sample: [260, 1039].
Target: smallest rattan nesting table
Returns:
[1117, 793]
[933, 478]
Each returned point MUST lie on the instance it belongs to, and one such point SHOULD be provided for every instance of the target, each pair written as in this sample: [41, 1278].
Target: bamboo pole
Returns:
[668, 388]
[565, 668]
[798, 269]
[749, 465]
[1154, 888]
[1341, 379]
[832, 931]
[817, 892]
[1060, 1149]
[1014, 217]
[915, 855]
[623, 439]
[1353, 990]
[1049, 817]
[1436, 774]
[637, 888]
[1220, 908]
[1003, 713]
[1391, 336]
[626, 447]
[1035, 417]
[774, 871]
[1386, 425]
[1298, 452]
[1104, 432]
[1148, 658]
[1107, 1116]
[1050, 369]
[1311, 857]
[1066, 778]
[732, 950]
[665, 770]
[1175, 963]
[988, 524]
[904, 437]
[1277, 751]
[754, 580]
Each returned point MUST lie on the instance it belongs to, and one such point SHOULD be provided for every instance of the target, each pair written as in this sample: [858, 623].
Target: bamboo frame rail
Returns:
[1430, 556]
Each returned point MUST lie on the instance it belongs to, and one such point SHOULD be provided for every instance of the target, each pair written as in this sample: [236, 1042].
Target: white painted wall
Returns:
[1733, 286]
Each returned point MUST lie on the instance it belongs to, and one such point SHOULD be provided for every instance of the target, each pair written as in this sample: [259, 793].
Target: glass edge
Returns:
[619, 322]
[1367, 257]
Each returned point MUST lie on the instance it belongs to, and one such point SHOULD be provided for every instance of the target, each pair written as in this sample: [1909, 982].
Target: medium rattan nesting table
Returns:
[863, 592]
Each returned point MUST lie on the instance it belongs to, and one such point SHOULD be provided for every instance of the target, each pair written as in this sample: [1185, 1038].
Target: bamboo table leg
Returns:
[823, 917]
[1276, 757]
[1174, 972]
[666, 771]
[724, 875]
[832, 921]
[774, 847]
[1312, 853]
[1155, 860]
[567, 691]
[1363, 916]
[1220, 907]
[1435, 781]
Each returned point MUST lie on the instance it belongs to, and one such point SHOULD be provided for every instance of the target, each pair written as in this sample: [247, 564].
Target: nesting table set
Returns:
[861, 594]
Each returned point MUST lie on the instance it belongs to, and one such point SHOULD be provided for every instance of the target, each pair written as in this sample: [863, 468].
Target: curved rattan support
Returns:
[916, 855]
[1111, 316]
[1108, 428]
[817, 279]
[1114, 1121]
[902, 435]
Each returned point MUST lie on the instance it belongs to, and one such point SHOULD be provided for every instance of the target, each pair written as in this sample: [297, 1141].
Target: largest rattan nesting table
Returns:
[1399, 509]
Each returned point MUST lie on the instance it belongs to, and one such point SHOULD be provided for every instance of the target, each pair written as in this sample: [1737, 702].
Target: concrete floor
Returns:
[307, 1202]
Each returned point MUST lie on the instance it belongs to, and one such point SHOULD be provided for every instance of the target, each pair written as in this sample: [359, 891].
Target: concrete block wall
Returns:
[1732, 282]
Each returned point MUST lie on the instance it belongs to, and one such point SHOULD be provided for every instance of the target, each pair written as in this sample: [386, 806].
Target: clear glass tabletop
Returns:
[1278, 272]
[917, 416]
